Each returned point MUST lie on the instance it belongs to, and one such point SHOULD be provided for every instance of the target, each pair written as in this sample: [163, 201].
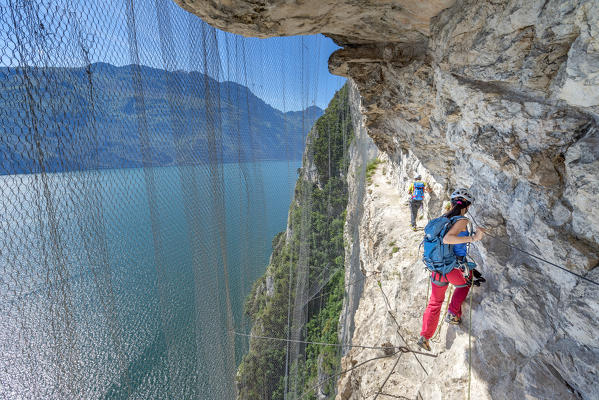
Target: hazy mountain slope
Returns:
[75, 108]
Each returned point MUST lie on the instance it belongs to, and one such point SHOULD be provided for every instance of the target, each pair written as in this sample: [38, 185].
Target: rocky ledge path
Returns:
[390, 259]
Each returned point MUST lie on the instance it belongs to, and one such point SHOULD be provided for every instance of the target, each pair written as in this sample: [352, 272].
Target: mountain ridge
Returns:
[178, 128]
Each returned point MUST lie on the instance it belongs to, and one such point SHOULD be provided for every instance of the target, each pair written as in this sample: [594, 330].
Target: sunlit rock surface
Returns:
[499, 96]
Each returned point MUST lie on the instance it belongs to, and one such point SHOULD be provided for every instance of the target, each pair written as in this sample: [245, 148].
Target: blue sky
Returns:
[289, 73]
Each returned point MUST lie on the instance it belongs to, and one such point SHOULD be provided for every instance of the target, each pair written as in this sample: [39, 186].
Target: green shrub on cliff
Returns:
[322, 328]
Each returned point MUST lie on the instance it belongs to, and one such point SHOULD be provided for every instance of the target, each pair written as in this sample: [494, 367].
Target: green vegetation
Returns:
[317, 217]
[371, 169]
[322, 327]
[394, 250]
[392, 244]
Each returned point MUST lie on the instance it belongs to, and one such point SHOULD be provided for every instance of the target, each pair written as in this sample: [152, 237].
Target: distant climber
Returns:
[416, 192]
[445, 251]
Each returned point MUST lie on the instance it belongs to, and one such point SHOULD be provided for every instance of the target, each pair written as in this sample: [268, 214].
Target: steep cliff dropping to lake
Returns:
[300, 295]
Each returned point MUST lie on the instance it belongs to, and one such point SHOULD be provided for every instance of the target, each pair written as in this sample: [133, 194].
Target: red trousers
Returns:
[439, 286]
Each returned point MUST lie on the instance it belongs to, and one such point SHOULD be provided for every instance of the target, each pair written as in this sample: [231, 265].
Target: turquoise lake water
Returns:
[110, 290]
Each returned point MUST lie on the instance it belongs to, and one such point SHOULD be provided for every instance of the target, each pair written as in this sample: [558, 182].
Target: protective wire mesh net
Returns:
[139, 168]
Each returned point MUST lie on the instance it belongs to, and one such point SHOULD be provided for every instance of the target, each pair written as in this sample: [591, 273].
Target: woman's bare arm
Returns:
[452, 237]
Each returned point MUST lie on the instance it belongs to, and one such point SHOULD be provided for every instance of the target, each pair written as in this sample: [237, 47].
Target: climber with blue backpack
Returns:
[445, 245]
[416, 191]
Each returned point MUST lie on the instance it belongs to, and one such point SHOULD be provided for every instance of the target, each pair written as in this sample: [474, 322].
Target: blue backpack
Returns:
[439, 257]
[418, 193]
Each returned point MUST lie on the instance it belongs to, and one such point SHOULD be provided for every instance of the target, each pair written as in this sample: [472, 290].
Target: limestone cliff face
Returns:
[527, 342]
[499, 96]
[361, 151]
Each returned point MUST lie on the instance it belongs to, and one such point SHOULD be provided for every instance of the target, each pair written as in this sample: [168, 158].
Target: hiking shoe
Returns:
[453, 319]
[424, 344]
[414, 228]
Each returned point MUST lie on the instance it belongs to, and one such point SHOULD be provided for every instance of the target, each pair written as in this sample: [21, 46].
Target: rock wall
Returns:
[361, 151]
[390, 261]
[523, 342]
[502, 97]
[347, 21]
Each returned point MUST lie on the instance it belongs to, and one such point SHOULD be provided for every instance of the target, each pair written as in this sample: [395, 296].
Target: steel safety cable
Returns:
[533, 255]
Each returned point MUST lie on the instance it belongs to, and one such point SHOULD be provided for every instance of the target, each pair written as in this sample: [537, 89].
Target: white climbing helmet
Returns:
[463, 193]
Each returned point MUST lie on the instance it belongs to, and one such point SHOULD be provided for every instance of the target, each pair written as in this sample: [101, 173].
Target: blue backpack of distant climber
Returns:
[439, 257]
[418, 193]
